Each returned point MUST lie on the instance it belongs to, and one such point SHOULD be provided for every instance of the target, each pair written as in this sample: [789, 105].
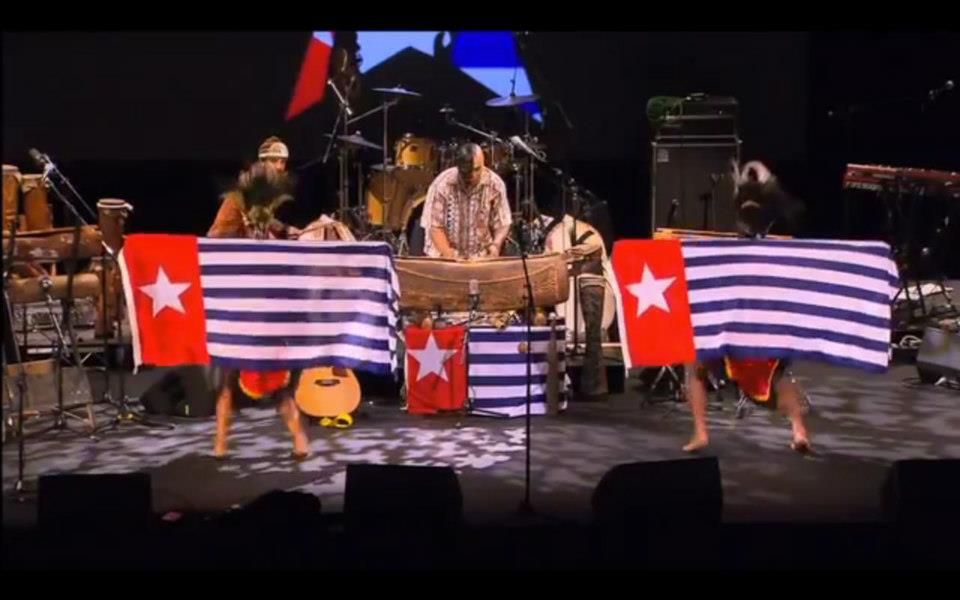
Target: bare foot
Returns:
[696, 443]
[801, 445]
[219, 447]
[301, 446]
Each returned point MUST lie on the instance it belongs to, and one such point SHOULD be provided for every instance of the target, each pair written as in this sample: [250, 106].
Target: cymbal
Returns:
[397, 91]
[511, 100]
[357, 140]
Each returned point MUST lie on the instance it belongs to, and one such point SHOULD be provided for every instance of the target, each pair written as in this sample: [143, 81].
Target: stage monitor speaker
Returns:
[939, 355]
[921, 502]
[927, 489]
[402, 493]
[692, 184]
[188, 391]
[74, 502]
[673, 491]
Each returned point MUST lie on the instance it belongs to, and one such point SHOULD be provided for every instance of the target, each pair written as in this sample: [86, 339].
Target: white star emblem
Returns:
[164, 293]
[649, 292]
[432, 359]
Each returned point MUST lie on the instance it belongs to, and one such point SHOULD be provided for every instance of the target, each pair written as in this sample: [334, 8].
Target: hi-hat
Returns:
[512, 100]
[397, 91]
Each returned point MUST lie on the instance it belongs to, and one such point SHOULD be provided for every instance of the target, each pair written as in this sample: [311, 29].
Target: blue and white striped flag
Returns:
[812, 299]
[262, 304]
[498, 369]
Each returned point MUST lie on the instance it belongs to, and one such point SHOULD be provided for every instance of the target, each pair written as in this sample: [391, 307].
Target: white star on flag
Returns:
[432, 358]
[649, 292]
[164, 293]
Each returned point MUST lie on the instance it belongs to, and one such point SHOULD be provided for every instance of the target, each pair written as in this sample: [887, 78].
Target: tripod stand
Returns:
[677, 389]
[60, 422]
[125, 414]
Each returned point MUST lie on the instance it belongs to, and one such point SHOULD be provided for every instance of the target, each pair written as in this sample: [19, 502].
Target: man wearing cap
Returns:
[230, 222]
[466, 214]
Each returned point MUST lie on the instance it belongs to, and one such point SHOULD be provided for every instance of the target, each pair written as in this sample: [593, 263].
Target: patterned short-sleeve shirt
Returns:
[471, 218]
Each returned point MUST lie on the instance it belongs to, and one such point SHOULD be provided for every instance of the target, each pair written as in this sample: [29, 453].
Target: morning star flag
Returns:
[260, 304]
[819, 300]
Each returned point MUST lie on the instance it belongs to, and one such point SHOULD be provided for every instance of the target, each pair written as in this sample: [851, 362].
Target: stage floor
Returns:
[860, 425]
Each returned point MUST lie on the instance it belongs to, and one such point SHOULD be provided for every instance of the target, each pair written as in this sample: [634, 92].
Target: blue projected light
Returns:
[489, 57]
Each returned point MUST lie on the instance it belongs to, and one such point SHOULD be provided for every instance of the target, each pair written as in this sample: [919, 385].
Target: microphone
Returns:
[40, 158]
[516, 141]
[474, 293]
[672, 213]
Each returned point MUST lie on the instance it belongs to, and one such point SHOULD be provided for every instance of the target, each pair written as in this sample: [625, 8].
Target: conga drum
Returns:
[11, 195]
[112, 216]
[36, 203]
[592, 288]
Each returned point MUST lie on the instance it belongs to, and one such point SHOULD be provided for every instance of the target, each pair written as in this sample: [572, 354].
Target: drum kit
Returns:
[386, 200]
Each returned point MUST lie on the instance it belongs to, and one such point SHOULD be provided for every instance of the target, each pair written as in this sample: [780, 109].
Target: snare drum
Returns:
[36, 203]
[416, 153]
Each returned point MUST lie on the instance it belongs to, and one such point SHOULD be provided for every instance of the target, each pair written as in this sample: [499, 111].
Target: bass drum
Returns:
[559, 240]
[393, 195]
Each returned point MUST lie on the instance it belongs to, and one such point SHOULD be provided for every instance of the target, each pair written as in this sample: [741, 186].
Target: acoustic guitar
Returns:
[328, 392]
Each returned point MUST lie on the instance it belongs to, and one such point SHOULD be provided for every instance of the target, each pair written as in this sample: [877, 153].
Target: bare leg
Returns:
[291, 415]
[788, 398]
[697, 397]
[224, 410]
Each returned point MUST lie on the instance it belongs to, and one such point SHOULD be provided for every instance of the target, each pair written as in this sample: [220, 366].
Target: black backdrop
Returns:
[163, 119]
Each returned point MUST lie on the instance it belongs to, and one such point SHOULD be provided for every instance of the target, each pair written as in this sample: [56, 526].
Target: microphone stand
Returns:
[49, 168]
[526, 507]
[474, 308]
[21, 379]
[343, 174]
